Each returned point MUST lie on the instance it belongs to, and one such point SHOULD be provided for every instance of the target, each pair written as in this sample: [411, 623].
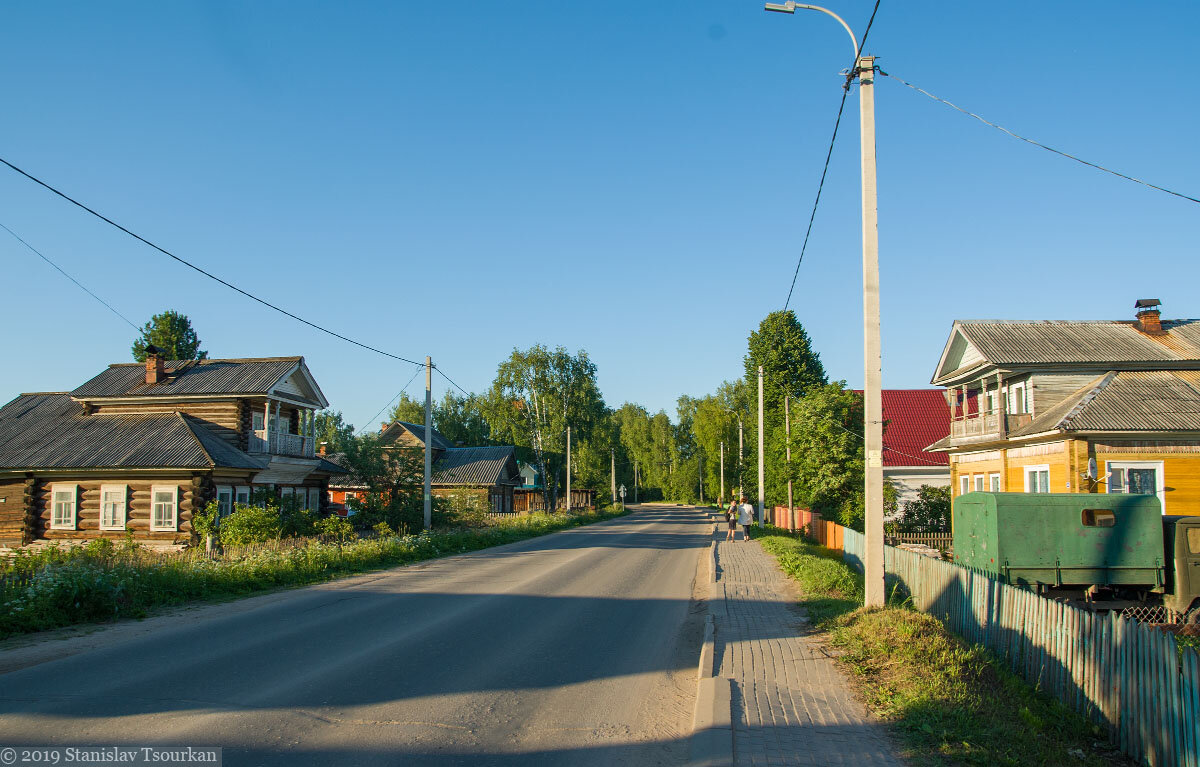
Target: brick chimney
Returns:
[321, 449]
[155, 366]
[1148, 318]
[383, 427]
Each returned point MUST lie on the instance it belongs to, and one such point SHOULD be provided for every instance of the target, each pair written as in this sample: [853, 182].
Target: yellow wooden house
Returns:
[1034, 404]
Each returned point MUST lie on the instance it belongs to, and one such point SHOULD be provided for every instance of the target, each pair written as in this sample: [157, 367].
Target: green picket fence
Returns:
[1133, 678]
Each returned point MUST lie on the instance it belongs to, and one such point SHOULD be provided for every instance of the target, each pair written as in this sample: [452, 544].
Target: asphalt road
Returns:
[573, 648]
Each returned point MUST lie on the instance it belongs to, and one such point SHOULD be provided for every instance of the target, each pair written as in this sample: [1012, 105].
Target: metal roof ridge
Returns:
[187, 424]
[208, 361]
[1088, 397]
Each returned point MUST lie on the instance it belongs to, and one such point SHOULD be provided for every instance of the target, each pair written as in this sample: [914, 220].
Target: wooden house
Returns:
[139, 447]
[914, 419]
[1033, 403]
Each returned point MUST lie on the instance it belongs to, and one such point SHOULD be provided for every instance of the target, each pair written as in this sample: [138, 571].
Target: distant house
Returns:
[915, 418]
[530, 477]
[1035, 405]
[138, 448]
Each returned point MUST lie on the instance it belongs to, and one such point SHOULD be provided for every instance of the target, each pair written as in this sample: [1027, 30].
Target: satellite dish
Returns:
[1091, 471]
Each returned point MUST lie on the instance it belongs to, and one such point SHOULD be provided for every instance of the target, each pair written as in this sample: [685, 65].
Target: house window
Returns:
[258, 420]
[979, 480]
[242, 496]
[1016, 399]
[1037, 479]
[62, 506]
[990, 401]
[994, 482]
[163, 507]
[314, 498]
[112, 507]
[964, 485]
[224, 500]
[1137, 478]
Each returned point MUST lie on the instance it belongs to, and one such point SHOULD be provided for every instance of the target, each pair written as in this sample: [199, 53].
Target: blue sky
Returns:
[632, 179]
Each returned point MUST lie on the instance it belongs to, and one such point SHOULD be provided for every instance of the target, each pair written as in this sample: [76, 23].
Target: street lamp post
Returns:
[864, 68]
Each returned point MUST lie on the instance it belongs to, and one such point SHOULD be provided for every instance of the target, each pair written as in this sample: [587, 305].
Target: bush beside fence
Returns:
[1132, 678]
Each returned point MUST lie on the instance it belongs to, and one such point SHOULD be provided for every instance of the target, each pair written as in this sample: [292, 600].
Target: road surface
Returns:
[573, 648]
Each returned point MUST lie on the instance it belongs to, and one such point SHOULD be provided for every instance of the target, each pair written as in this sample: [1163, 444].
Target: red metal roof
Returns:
[915, 418]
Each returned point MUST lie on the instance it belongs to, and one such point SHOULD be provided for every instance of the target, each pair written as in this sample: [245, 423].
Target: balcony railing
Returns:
[282, 444]
[979, 427]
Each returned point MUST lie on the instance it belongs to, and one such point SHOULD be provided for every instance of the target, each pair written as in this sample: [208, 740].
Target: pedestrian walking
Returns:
[745, 515]
[731, 520]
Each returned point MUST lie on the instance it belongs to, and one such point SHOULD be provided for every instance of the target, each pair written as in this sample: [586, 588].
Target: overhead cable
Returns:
[208, 274]
[1040, 145]
[61, 271]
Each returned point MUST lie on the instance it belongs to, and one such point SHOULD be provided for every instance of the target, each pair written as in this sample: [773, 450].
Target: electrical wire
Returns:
[1058, 152]
[829, 155]
[61, 271]
[404, 388]
[451, 380]
[208, 274]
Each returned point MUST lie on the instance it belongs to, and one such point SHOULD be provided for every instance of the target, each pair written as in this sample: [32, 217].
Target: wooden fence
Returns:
[526, 500]
[1132, 678]
[939, 541]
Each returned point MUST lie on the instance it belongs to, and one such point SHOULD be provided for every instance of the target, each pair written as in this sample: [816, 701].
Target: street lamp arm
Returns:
[790, 7]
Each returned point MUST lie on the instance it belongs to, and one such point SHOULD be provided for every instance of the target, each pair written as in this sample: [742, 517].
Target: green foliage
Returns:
[334, 528]
[58, 587]
[172, 333]
[463, 508]
[408, 410]
[827, 452]
[928, 513]
[246, 525]
[333, 431]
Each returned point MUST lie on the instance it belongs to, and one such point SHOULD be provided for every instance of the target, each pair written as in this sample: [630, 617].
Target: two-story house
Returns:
[138, 447]
[1075, 407]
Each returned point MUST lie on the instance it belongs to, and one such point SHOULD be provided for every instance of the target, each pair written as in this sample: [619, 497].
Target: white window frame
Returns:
[1012, 398]
[964, 484]
[1028, 470]
[119, 521]
[314, 498]
[156, 527]
[286, 492]
[994, 482]
[228, 508]
[239, 491]
[980, 482]
[55, 522]
[1159, 474]
[257, 420]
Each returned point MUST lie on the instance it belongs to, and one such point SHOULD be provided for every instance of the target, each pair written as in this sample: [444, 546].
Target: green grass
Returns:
[950, 702]
[101, 581]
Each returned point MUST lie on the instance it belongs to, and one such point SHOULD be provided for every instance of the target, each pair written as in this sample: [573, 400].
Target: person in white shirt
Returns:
[745, 518]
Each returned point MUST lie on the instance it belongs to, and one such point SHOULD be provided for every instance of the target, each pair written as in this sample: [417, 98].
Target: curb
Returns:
[712, 725]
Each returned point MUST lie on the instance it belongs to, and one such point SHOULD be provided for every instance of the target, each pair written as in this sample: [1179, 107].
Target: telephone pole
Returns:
[787, 429]
[428, 439]
[635, 482]
[864, 68]
[613, 454]
[700, 471]
[568, 506]
[722, 498]
[762, 465]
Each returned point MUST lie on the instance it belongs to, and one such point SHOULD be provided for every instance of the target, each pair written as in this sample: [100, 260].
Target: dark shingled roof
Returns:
[396, 428]
[234, 376]
[47, 431]
[477, 466]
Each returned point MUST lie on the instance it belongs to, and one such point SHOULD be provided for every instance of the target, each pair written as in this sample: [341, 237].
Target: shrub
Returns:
[335, 528]
[250, 524]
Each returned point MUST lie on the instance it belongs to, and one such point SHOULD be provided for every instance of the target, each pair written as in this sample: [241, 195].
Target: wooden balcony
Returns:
[986, 426]
[282, 444]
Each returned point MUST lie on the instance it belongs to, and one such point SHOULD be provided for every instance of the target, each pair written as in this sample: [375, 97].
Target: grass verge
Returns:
[951, 702]
[101, 581]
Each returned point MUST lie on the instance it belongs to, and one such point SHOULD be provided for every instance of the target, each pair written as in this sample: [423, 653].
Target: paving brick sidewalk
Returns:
[791, 704]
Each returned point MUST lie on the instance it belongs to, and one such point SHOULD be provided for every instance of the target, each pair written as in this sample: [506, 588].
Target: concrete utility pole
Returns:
[613, 453]
[787, 430]
[864, 68]
[428, 439]
[722, 498]
[741, 452]
[700, 471]
[568, 506]
[762, 466]
[635, 482]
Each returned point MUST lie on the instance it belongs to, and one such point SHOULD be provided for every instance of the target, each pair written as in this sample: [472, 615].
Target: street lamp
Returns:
[864, 68]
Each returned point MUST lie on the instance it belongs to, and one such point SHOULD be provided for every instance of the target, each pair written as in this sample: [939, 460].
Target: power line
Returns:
[828, 155]
[81, 286]
[210, 275]
[371, 420]
[1035, 143]
[451, 380]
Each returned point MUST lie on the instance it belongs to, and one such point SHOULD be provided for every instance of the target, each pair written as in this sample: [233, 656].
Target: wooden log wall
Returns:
[137, 510]
[12, 512]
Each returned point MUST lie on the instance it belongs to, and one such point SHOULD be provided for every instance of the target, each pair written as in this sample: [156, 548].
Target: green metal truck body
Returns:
[1052, 539]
